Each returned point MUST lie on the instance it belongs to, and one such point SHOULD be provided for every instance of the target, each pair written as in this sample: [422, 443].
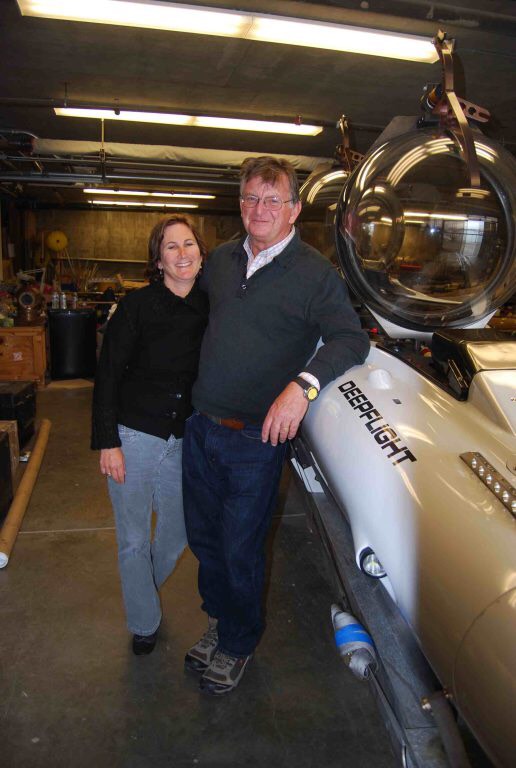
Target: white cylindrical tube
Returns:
[22, 496]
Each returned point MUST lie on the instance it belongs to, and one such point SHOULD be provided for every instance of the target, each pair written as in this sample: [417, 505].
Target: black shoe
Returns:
[144, 644]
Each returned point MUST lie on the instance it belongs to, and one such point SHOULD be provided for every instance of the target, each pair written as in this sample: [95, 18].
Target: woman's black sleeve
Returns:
[117, 348]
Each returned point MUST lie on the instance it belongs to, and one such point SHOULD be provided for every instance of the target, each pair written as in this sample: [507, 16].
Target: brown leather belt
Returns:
[230, 423]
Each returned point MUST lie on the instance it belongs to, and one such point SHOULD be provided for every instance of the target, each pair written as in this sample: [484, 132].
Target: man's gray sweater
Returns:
[263, 330]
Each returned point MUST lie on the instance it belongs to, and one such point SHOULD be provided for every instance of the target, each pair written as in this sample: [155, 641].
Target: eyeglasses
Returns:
[272, 203]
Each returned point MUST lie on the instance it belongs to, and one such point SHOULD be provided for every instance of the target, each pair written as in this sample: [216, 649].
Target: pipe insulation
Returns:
[14, 518]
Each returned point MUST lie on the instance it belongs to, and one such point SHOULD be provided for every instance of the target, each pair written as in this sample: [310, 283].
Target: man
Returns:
[272, 297]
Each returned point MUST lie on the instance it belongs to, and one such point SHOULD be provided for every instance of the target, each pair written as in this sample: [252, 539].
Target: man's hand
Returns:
[285, 415]
[112, 464]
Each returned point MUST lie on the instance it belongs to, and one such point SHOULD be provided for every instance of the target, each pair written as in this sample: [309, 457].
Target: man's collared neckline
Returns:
[267, 255]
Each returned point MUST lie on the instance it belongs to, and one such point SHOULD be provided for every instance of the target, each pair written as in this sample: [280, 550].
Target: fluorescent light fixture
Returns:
[153, 14]
[444, 216]
[264, 126]
[148, 14]
[135, 193]
[337, 37]
[145, 205]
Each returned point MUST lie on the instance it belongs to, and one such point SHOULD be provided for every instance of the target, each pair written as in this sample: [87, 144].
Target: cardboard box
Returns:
[11, 427]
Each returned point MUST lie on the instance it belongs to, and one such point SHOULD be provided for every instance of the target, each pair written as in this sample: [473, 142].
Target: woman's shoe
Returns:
[144, 644]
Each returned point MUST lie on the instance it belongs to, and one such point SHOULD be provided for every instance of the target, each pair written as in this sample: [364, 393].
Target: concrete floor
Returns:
[71, 692]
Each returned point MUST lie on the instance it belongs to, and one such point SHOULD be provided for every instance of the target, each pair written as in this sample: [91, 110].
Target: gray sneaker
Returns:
[224, 673]
[200, 655]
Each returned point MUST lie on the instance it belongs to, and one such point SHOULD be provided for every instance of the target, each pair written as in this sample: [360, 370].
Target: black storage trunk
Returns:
[18, 401]
[73, 343]
[6, 483]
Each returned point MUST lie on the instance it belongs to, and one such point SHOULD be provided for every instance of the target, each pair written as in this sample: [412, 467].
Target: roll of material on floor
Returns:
[14, 518]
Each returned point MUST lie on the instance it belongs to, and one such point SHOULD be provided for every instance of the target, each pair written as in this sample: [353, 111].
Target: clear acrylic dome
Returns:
[419, 245]
[319, 196]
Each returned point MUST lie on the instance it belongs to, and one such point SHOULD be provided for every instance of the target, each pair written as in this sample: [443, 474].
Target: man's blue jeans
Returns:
[230, 487]
[153, 481]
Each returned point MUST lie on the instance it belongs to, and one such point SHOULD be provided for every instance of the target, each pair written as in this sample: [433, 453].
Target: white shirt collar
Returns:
[254, 263]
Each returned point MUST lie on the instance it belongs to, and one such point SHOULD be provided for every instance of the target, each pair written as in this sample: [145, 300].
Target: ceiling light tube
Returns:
[94, 191]
[140, 205]
[425, 215]
[136, 193]
[337, 37]
[149, 14]
[189, 195]
[153, 14]
[165, 118]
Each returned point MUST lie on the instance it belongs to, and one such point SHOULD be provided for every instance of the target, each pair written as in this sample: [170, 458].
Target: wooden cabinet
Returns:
[23, 354]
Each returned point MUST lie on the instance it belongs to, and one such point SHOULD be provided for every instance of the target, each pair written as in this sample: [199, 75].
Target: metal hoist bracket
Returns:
[453, 112]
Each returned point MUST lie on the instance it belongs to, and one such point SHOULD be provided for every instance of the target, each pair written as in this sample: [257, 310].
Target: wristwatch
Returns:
[310, 392]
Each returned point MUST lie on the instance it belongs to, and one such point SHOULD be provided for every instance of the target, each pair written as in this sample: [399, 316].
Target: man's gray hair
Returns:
[270, 169]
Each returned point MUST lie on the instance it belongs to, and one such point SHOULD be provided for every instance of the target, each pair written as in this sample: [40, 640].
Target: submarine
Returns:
[415, 451]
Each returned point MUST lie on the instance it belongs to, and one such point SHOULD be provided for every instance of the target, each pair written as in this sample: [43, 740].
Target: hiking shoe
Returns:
[224, 673]
[200, 655]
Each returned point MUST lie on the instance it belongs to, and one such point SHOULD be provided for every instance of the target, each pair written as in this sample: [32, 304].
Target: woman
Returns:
[141, 400]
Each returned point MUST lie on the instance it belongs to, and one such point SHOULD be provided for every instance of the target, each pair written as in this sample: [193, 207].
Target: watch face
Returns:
[312, 393]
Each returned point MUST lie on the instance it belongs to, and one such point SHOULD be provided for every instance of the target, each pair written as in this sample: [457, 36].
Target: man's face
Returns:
[265, 227]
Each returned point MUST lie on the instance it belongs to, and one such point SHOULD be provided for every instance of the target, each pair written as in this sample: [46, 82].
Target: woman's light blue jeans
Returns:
[152, 482]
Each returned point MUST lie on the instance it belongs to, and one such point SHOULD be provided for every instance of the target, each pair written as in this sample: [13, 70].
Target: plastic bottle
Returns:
[354, 644]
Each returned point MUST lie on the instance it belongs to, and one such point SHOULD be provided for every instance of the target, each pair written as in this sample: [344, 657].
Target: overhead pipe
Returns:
[229, 194]
[453, 8]
[15, 131]
[64, 179]
[115, 160]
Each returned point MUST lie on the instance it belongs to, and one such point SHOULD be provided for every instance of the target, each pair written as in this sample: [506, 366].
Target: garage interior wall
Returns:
[116, 239]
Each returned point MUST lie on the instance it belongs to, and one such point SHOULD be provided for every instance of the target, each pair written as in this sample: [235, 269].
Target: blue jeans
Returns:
[153, 481]
[230, 487]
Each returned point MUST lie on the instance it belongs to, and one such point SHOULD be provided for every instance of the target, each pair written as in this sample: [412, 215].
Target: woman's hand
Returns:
[112, 464]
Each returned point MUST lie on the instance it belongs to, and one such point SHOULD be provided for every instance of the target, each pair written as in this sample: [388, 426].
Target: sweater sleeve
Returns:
[344, 342]
[117, 347]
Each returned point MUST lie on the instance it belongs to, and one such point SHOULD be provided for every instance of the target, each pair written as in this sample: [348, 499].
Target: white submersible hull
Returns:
[389, 444]
[418, 445]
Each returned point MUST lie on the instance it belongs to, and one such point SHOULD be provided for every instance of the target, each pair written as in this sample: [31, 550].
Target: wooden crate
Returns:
[23, 354]
[11, 427]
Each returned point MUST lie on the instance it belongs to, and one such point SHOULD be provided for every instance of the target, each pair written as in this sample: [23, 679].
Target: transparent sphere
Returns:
[319, 196]
[417, 243]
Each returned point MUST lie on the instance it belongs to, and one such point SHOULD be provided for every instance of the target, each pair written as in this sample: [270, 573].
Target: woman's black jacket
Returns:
[148, 364]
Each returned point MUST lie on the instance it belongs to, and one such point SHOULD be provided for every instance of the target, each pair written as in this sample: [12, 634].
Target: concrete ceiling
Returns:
[46, 60]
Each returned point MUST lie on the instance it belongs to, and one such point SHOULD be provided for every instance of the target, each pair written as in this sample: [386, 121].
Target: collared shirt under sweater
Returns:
[263, 329]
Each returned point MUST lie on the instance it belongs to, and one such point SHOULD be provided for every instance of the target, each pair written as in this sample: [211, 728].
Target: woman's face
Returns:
[180, 258]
